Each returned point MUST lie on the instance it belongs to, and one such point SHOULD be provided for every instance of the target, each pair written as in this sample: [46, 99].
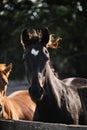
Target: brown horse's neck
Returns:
[6, 108]
[17, 106]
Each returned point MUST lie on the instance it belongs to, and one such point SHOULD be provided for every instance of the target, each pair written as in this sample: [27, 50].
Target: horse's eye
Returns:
[45, 51]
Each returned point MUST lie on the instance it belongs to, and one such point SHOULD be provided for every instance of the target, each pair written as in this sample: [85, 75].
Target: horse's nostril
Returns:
[0, 107]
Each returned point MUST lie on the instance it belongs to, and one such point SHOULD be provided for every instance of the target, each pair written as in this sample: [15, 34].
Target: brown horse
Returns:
[55, 100]
[18, 105]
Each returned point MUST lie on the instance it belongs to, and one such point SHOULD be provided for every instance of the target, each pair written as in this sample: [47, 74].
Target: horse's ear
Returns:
[45, 36]
[24, 38]
[8, 70]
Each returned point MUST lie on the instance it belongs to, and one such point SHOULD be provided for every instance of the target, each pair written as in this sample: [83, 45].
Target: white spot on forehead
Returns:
[34, 52]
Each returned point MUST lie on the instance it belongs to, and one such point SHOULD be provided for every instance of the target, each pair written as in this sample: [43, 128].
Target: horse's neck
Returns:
[6, 109]
[52, 78]
[51, 101]
[54, 84]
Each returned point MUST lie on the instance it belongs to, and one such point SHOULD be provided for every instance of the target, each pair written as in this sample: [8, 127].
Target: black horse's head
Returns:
[35, 58]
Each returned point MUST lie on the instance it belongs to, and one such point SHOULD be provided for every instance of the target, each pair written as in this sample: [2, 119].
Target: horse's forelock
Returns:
[40, 34]
[36, 33]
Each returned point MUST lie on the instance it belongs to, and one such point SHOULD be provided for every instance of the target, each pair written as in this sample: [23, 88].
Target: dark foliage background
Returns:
[64, 18]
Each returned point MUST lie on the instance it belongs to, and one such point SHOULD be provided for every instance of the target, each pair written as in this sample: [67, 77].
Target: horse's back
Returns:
[75, 82]
[22, 104]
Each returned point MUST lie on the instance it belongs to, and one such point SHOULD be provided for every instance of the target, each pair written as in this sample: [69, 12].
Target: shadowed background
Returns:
[64, 18]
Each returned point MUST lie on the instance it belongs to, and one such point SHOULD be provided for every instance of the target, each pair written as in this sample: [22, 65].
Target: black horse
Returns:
[55, 101]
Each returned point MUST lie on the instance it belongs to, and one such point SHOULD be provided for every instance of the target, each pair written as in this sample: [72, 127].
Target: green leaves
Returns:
[66, 19]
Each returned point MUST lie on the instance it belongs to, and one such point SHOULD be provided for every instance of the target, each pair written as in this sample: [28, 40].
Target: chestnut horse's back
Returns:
[22, 101]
